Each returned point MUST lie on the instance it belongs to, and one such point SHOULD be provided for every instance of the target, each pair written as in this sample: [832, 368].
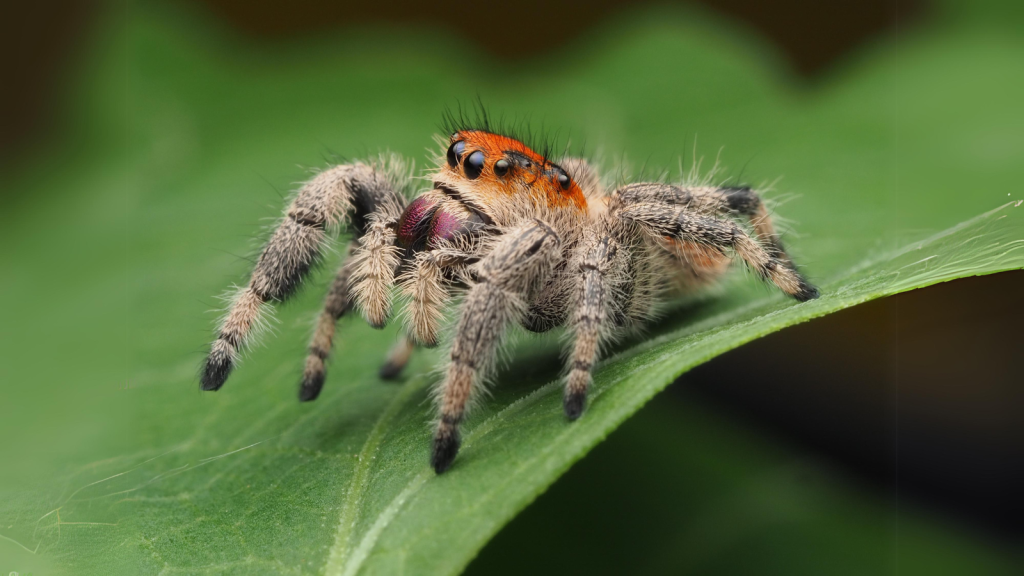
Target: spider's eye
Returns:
[455, 152]
[563, 180]
[501, 167]
[474, 165]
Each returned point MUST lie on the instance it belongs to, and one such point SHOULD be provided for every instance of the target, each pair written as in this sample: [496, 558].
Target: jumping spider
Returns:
[524, 241]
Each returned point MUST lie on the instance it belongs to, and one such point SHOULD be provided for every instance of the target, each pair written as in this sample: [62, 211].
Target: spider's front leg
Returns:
[324, 203]
[426, 285]
[506, 278]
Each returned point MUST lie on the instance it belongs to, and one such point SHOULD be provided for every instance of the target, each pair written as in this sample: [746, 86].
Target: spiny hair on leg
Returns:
[244, 322]
[510, 308]
[755, 204]
[324, 198]
[647, 277]
[423, 285]
[427, 292]
[749, 206]
[443, 294]
[602, 284]
[643, 276]
[264, 323]
[774, 270]
[337, 303]
[399, 171]
[470, 367]
[677, 222]
[701, 259]
[376, 258]
[373, 273]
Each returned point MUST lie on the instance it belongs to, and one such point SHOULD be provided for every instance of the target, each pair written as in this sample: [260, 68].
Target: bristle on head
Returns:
[487, 165]
[476, 117]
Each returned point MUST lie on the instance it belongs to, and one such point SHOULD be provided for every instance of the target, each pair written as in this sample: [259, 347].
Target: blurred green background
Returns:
[143, 143]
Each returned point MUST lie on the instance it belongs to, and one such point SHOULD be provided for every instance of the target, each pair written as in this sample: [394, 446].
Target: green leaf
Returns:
[897, 178]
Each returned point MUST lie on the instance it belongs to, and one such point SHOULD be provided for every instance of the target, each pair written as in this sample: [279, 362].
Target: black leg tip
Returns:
[311, 386]
[806, 292]
[215, 372]
[445, 448]
[574, 405]
[390, 370]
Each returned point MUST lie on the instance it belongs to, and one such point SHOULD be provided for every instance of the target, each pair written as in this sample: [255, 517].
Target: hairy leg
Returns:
[594, 306]
[374, 263]
[336, 304]
[505, 280]
[323, 203]
[744, 201]
[681, 223]
[739, 200]
[426, 283]
[425, 286]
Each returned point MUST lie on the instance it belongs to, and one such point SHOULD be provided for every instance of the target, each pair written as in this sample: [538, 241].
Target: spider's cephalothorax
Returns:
[523, 240]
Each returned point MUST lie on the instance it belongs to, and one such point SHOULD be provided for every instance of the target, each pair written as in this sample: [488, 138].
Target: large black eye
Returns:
[563, 180]
[455, 152]
[474, 165]
[501, 167]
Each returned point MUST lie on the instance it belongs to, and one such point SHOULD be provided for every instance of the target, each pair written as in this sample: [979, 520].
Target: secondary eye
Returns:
[501, 167]
[474, 165]
[455, 152]
[563, 180]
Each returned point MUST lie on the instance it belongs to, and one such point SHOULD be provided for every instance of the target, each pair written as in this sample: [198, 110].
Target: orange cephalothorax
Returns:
[502, 165]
